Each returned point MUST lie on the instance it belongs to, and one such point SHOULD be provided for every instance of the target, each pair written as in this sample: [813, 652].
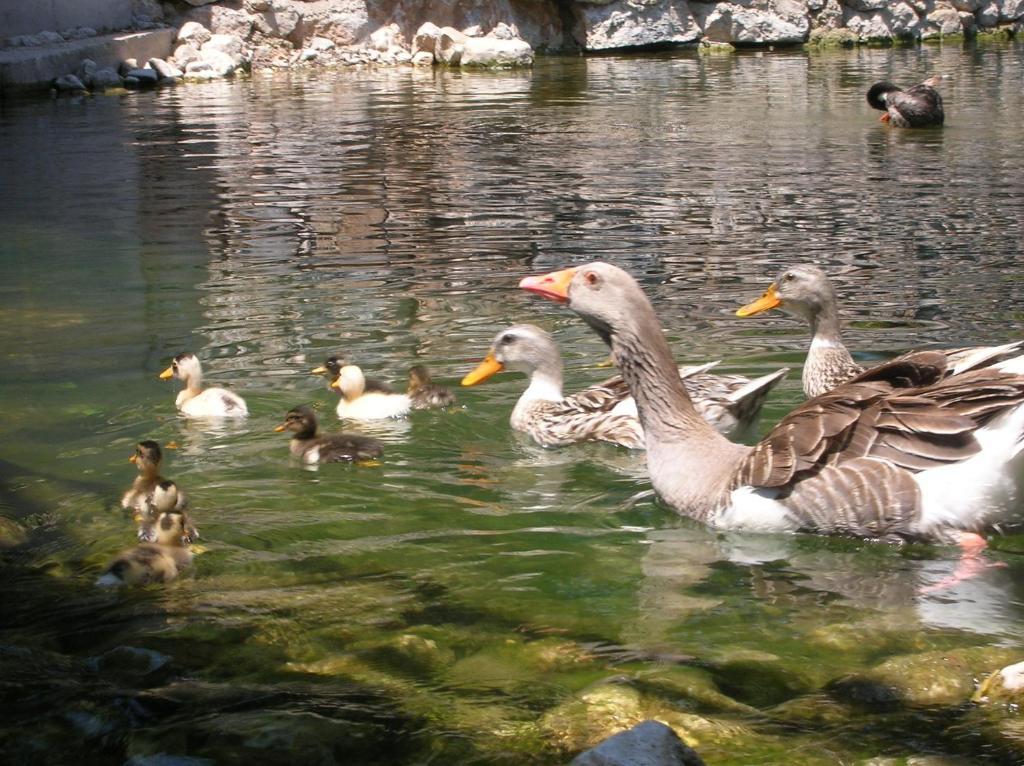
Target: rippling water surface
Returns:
[461, 601]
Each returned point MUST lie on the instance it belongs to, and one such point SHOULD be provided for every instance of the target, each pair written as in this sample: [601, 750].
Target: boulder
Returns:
[751, 26]
[622, 23]
[1012, 10]
[143, 76]
[278, 22]
[193, 32]
[164, 69]
[86, 70]
[494, 52]
[870, 26]
[126, 66]
[229, 44]
[449, 47]
[104, 78]
[944, 21]
[423, 58]
[386, 38]
[650, 743]
[68, 82]
[211, 65]
[78, 33]
[184, 54]
[425, 39]
[320, 44]
[904, 21]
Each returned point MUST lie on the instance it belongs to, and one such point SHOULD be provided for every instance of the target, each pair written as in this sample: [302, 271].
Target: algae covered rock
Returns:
[929, 678]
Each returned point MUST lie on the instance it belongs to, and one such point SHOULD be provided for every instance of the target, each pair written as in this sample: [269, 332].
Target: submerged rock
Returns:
[930, 678]
[650, 743]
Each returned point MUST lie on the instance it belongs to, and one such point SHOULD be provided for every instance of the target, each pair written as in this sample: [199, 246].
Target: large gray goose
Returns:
[902, 452]
[605, 411]
[805, 291]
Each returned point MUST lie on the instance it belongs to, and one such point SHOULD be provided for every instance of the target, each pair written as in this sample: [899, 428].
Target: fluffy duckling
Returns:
[332, 366]
[916, 107]
[310, 446]
[359, 404]
[147, 458]
[424, 393]
[162, 559]
[196, 402]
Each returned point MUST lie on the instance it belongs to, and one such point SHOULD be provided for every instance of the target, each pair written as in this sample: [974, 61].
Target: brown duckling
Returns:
[312, 447]
[424, 393]
[147, 459]
[162, 559]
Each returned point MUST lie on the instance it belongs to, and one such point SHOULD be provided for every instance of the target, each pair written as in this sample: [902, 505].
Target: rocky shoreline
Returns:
[218, 38]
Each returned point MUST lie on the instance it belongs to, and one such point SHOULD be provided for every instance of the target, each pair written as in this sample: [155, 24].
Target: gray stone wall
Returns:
[27, 17]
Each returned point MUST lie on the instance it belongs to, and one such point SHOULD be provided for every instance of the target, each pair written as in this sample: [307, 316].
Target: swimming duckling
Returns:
[359, 404]
[311, 447]
[332, 366]
[162, 559]
[916, 107]
[147, 459]
[196, 402]
[424, 393]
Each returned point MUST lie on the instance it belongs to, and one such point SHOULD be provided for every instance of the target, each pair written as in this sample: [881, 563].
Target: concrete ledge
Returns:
[23, 69]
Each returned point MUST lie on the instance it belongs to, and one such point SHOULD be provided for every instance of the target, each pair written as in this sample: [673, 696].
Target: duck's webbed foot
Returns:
[972, 562]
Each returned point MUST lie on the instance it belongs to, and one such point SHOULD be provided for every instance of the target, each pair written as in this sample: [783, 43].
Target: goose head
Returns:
[521, 348]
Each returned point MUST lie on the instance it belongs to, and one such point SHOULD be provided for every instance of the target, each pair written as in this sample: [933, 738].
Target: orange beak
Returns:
[769, 300]
[336, 383]
[167, 374]
[319, 370]
[488, 367]
[553, 286]
[280, 428]
[133, 459]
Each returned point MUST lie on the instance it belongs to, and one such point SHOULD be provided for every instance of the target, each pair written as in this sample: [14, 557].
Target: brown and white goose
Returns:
[806, 292]
[900, 453]
[606, 411]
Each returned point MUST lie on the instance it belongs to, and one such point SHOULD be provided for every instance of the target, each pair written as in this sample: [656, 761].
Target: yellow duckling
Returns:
[359, 404]
[196, 402]
[162, 559]
[310, 446]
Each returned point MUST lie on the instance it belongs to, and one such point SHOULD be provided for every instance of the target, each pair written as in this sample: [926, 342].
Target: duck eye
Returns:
[590, 278]
[789, 277]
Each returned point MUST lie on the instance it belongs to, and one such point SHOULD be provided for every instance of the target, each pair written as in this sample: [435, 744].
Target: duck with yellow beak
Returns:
[196, 402]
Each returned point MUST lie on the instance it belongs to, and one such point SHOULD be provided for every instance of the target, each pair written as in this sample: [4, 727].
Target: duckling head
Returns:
[147, 457]
[301, 420]
[331, 366]
[350, 382]
[419, 378]
[186, 368]
[166, 524]
[802, 290]
[521, 348]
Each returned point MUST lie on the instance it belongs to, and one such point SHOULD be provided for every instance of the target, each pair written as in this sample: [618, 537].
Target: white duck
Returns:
[197, 402]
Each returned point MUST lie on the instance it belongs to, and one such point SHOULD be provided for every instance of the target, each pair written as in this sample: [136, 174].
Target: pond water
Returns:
[474, 598]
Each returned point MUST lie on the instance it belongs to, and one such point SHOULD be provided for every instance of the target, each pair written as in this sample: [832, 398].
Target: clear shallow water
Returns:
[449, 605]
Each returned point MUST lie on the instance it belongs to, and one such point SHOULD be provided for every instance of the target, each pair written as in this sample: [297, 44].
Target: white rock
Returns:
[185, 53]
[68, 82]
[321, 44]
[473, 31]
[193, 32]
[164, 69]
[904, 21]
[211, 65]
[1012, 10]
[228, 44]
[945, 20]
[503, 31]
[734, 24]
[107, 77]
[448, 49]
[308, 54]
[257, 6]
[126, 66]
[387, 37]
[622, 23]
[869, 26]
[494, 52]
[423, 58]
[425, 39]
